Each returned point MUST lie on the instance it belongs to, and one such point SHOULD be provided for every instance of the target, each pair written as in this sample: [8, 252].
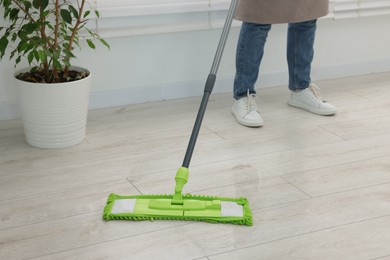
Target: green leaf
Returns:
[51, 27]
[13, 15]
[104, 43]
[90, 44]
[74, 11]
[30, 57]
[3, 46]
[22, 46]
[87, 13]
[34, 69]
[97, 14]
[48, 52]
[36, 55]
[39, 4]
[44, 4]
[45, 13]
[12, 54]
[29, 48]
[66, 16]
[68, 54]
[17, 60]
[7, 3]
[31, 27]
[36, 3]
[57, 64]
[66, 63]
[42, 56]
[14, 37]
[90, 32]
[27, 4]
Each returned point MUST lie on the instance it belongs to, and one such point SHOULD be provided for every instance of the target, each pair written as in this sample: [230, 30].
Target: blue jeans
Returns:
[250, 50]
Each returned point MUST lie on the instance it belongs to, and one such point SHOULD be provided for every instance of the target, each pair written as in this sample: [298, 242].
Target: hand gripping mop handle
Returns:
[210, 84]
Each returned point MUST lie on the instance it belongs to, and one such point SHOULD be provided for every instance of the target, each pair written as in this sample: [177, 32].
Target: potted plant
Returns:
[53, 94]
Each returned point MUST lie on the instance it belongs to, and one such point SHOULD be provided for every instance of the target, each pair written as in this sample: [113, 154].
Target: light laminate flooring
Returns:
[319, 187]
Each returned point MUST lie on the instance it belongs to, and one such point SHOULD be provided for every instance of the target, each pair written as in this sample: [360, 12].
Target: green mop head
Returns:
[179, 207]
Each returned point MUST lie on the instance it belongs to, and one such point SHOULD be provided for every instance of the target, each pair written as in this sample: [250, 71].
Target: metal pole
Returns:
[224, 36]
[210, 83]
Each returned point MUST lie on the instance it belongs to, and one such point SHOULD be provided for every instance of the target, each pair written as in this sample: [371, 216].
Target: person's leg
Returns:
[300, 53]
[250, 49]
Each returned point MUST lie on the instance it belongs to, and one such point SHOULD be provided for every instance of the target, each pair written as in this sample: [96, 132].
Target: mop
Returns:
[179, 206]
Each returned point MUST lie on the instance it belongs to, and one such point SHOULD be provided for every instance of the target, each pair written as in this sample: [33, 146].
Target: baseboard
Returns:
[351, 70]
[122, 97]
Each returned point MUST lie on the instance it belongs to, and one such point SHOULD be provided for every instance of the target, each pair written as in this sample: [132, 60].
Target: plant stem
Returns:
[42, 29]
[24, 10]
[55, 46]
[75, 29]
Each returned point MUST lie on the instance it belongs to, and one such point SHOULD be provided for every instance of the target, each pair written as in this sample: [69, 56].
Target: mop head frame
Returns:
[193, 208]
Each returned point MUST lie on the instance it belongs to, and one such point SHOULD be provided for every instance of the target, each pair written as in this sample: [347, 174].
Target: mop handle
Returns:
[210, 83]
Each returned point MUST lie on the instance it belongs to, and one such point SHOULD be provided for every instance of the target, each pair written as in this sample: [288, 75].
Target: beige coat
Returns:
[280, 11]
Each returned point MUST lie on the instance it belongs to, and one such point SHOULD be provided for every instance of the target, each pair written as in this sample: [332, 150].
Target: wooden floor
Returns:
[319, 187]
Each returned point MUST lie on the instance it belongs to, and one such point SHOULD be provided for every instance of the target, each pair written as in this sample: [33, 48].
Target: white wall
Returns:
[173, 65]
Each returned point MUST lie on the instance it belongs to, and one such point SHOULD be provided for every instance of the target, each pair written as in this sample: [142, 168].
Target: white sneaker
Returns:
[246, 112]
[310, 100]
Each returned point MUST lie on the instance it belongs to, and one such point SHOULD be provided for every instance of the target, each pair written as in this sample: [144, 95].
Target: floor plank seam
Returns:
[253, 208]
[50, 220]
[323, 127]
[215, 133]
[300, 235]
[201, 258]
[112, 240]
[135, 186]
[80, 186]
[354, 189]
[361, 96]
[336, 165]
[333, 133]
[78, 165]
[381, 257]
[280, 205]
[295, 186]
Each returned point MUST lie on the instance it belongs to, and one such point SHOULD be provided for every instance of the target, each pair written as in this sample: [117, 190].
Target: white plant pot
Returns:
[54, 115]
